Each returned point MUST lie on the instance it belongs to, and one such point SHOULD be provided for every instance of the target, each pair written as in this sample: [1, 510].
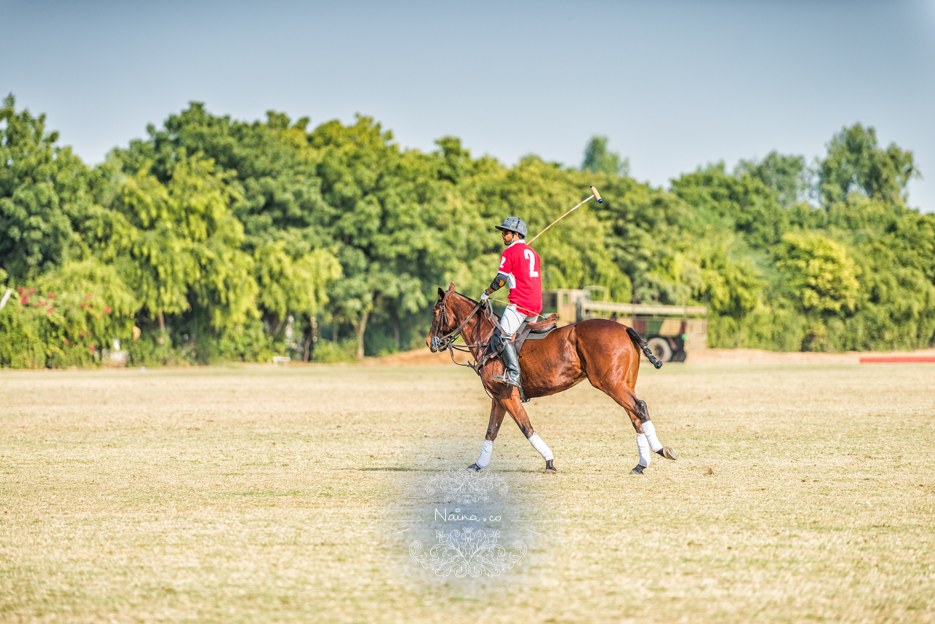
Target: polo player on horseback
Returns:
[520, 268]
[604, 352]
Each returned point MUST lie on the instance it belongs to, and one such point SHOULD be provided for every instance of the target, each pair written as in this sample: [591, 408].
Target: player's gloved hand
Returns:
[484, 297]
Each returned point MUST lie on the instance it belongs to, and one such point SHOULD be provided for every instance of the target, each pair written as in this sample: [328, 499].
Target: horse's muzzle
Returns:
[436, 344]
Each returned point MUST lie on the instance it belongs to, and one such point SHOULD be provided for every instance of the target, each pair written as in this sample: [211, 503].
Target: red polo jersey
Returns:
[521, 264]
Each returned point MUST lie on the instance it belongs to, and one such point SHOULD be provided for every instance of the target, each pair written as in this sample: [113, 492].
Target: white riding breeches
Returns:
[512, 319]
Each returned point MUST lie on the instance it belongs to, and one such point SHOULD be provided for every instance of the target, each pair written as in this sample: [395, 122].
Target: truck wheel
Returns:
[660, 348]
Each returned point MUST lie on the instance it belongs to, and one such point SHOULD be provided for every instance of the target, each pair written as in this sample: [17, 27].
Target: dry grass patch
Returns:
[257, 494]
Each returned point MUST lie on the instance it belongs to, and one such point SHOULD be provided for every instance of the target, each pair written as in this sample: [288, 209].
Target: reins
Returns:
[447, 340]
[525, 311]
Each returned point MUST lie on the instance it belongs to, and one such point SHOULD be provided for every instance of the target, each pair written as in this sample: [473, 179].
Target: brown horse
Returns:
[601, 351]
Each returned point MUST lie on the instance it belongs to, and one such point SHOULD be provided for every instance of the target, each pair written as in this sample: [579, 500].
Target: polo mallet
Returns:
[594, 194]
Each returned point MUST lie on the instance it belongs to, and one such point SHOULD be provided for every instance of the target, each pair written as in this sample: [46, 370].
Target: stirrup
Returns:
[506, 379]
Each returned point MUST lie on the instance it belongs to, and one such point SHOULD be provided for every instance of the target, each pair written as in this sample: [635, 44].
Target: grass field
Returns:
[803, 493]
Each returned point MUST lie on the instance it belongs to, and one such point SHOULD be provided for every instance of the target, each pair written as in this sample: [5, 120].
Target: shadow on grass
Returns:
[392, 469]
[528, 470]
[440, 470]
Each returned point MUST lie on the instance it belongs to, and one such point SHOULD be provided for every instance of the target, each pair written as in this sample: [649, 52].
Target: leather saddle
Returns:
[526, 331]
[534, 331]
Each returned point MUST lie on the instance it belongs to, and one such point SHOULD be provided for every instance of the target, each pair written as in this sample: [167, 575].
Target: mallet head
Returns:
[596, 194]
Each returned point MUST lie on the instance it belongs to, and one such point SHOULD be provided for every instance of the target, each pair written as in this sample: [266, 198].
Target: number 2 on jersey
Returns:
[532, 263]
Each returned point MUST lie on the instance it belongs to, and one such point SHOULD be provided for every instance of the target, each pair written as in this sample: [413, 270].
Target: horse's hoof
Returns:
[550, 467]
[474, 468]
[670, 453]
[638, 470]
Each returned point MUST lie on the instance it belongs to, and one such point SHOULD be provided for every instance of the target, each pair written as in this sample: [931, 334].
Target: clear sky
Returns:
[674, 85]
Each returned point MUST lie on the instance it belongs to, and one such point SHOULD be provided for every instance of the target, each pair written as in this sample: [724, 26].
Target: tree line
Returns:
[217, 239]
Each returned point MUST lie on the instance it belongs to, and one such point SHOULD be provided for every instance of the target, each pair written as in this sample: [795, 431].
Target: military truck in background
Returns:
[672, 332]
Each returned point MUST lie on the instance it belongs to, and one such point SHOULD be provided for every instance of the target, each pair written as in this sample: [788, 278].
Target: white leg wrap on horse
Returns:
[485, 452]
[540, 446]
[650, 430]
[643, 445]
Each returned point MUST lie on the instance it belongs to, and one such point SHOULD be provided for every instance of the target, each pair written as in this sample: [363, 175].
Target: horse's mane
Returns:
[463, 296]
[481, 317]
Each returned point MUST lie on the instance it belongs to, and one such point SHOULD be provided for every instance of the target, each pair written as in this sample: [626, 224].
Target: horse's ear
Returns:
[451, 287]
[441, 294]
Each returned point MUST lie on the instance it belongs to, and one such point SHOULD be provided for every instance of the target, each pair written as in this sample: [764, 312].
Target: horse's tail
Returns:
[635, 337]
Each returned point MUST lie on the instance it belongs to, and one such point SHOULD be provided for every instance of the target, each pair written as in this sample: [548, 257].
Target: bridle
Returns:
[441, 343]
[446, 342]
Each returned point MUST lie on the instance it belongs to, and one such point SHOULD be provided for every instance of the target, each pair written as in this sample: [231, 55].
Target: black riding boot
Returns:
[510, 374]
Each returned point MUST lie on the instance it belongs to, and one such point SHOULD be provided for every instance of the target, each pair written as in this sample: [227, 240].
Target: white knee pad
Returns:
[485, 452]
[540, 446]
[643, 446]
[650, 430]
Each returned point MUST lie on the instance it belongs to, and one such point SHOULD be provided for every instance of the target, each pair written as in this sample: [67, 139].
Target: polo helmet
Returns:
[514, 224]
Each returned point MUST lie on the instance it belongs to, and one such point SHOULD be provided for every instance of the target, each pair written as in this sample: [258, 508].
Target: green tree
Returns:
[647, 236]
[219, 230]
[741, 203]
[855, 163]
[296, 285]
[41, 187]
[185, 247]
[598, 159]
[732, 285]
[386, 214]
[787, 176]
[820, 271]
